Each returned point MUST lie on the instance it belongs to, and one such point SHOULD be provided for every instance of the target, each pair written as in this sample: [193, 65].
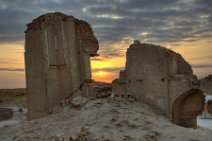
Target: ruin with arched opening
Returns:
[58, 67]
[163, 79]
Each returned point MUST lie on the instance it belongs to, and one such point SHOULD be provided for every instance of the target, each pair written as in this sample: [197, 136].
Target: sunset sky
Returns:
[184, 26]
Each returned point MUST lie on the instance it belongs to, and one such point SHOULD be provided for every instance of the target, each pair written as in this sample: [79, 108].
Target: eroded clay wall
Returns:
[146, 74]
[206, 85]
[57, 63]
[159, 76]
[209, 107]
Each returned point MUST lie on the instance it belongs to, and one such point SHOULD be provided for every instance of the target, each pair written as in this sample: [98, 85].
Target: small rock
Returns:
[78, 100]
[84, 131]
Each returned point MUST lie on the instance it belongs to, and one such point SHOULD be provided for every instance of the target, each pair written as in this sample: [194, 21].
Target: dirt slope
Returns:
[105, 119]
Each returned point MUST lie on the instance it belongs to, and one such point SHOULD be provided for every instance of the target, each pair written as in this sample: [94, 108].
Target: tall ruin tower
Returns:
[58, 48]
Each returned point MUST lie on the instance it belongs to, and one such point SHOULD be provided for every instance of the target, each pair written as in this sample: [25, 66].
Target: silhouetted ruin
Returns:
[57, 55]
[163, 79]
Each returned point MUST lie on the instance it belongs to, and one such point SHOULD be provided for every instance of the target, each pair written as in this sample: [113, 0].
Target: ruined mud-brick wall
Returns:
[159, 76]
[88, 43]
[209, 106]
[206, 85]
[57, 57]
[119, 85]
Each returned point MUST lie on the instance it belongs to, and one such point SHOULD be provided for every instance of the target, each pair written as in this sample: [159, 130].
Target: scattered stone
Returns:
[20, 110]
[78, 101]
[5, 114]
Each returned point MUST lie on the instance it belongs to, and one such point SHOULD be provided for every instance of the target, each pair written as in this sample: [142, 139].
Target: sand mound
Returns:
[104, 119]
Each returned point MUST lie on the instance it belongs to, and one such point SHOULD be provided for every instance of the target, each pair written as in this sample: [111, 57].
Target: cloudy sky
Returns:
[185, 26]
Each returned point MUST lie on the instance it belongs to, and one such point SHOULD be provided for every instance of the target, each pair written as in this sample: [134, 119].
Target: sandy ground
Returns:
[207, 123]
[19, 115]
[102, 120]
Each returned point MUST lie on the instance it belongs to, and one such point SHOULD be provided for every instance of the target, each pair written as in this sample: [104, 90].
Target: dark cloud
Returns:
[108, 53]
[204, 3]
[165, 20]
[113, 70]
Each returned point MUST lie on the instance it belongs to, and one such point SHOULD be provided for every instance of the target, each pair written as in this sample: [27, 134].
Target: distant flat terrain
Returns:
[13, 96]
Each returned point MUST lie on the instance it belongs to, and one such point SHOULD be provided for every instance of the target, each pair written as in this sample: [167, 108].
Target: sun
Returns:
[103, 76]
[101, 73]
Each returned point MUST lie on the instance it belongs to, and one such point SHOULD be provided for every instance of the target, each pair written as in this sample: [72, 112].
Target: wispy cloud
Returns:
[201, 66]
[201, 57]
[114, 70]
[12, 69]
[9, 61]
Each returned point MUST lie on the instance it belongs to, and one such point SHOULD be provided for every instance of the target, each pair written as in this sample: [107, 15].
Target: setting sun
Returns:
[101, 73]
[103, 76]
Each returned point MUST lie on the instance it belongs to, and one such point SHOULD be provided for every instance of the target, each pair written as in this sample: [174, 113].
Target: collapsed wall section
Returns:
[209, 107]
[158, 76]
[206, 85]
[57, 57]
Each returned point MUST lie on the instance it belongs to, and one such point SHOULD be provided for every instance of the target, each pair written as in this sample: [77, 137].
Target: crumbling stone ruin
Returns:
[209, 106]
[57, 56]
[163, 79]
[205, 85]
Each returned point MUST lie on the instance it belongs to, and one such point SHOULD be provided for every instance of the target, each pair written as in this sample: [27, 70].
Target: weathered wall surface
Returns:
[206, 85]
[209, 106]
[158, 76]
[57, 57]
[119, 85]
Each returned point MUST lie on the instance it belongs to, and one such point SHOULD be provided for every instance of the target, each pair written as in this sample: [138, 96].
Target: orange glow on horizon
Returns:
[104, 69]
[104, 76]
[12, 55]
[101, 73]
[114, 62]
[101, 69]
